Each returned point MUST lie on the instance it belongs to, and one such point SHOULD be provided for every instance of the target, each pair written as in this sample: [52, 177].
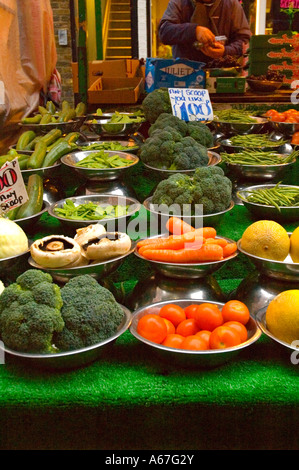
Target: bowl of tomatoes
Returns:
[285, 122]
[195, 333]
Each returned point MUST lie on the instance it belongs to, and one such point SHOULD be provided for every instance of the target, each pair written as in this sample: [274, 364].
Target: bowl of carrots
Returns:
[186, 252]
[195, 333]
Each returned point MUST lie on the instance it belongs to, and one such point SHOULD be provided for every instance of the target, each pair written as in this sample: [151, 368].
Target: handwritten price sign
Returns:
[191, 104]
[12, 188]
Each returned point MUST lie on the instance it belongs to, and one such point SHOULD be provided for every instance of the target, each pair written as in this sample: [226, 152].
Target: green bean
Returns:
[234, 115]
[277, 196]
[258, 158]
[255, 140]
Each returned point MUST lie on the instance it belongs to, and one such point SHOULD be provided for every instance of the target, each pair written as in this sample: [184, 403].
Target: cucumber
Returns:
[72, 137]
[32, 120]
[35, 193]
[51, 136]
[80, 109]
[51, 108]
[36, 159]
[46, 118]
[11, 215]
[42, 110]
[25, 139]
[32, 144]
[9, 158]
[62, 148]
[69, 115]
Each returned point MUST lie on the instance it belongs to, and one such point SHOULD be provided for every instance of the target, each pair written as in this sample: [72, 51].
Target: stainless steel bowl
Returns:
[46, 172]
[189, 358]
[214, 159]
[98, 270]
[194, 220]
[285, 128]
[263, 211]
[65, 127]
[22, 152]
[100, 174]
[28, 223]
[186, 270]
[6, 264]
[261, 321]
[71, 359]
[117, 223]
[227, 146]
[259, 172]
[231, 128]
[130, 145]
[103, 127]
[264, 86]
[282, 270]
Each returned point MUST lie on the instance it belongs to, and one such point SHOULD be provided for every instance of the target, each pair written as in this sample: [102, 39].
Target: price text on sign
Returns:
[191, 104]
[12, 188]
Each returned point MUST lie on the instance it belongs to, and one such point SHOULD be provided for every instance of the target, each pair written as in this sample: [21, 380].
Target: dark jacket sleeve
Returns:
[175, 26]
[239, 31]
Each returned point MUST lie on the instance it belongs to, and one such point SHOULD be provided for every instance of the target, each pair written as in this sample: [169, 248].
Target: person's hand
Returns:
[204, 35]
[215, 51]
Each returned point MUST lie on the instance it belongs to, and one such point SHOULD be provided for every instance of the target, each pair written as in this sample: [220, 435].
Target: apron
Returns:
[204, 15]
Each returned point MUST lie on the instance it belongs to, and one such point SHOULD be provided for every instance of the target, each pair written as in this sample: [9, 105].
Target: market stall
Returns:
[128, 396]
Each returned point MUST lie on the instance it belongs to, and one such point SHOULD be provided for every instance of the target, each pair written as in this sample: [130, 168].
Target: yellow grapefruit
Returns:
[294, 245]
[282, 316]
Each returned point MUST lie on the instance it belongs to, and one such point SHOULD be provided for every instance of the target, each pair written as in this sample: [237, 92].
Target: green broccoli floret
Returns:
[90, 312]
[201, 133]
[188, 154]
[30, 313]
[213, 189]
[156, 103]
[169, 120]
[177, 189]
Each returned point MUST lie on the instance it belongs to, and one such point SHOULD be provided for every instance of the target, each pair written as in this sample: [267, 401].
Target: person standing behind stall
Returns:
[190, 27]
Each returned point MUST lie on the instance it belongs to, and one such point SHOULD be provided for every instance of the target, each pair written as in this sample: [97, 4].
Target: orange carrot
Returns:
[178, 226]
[197, 235]
[229, 249]
[206, 252]
[218, 241]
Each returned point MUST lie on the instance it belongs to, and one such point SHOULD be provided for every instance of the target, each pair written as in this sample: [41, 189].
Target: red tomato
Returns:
[170, 326]
[208, 316]
[152, 327]
[187, 327]
[173, 341]
[291, 119]
[173, 312]
[271, 112]
[205, 335]
[295, 138]
[239, 327]
[279, 117]
[190, 310]
[235, 310]
[224, 337]
[194, 342]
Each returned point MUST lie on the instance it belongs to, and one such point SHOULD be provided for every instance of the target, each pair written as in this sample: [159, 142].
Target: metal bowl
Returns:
[46, 172]
[28, 223]
[194, 220]
[6, 264]
[188, 358]
[264, 86]
[282, 270]
[186, 270]
[114, 224]
[285, 128]
[261, 321]
[214, 159]
[65, 127]
[130, 146]
[71, 359]
[22, 152]
[227, 146]
[259, 172]
[263, 211]
[103, 127]
[98, 270]
[230, 128]
[100, 174]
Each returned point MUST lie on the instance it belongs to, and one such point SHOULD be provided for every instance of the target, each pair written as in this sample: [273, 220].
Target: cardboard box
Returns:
[226, 84]
[173, 73]
[116, 90]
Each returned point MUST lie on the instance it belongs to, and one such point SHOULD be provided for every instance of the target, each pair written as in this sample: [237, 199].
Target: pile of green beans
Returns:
[277, 196]
[247, 157]
[234, 115]
[255, 141]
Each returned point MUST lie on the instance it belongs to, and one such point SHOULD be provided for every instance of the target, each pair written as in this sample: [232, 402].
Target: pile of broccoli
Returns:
[37, 316]
[208, 186]
[199, 131]
[167, 149]
[156, 103]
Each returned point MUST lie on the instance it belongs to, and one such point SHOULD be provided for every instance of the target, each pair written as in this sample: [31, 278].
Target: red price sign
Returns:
[12, 188]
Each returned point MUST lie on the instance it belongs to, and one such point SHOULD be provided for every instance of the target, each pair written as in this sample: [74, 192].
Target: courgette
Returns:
[69, 115]
[36, 159]
[24, 139]
[46, 118]
[51, 108]
[62, 148]
[35, 193]
[32, 144]
[51, 136]
[32, 120]
[10, 158]
[80, 109]
[72, 137]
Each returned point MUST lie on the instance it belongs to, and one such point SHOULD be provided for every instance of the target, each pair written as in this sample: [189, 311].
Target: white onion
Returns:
[13, 240]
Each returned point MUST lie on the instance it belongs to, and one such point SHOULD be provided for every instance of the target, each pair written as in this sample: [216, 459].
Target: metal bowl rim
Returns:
[257, 166]
[261, 322]
[45, 203]
[282, 263]
[130, 156]
[261, 186]
[147, 202]
[211, 155]
[30, 170]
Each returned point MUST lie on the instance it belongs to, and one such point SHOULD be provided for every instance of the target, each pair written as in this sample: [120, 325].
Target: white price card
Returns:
[191, 104]
[13, 191]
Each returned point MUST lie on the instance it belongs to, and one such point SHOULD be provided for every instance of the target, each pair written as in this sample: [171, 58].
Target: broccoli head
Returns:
[201, 133]
[169, 120]
[30, 313]
[177, 189]
[213, 189]
[90, 313]
[156, 103]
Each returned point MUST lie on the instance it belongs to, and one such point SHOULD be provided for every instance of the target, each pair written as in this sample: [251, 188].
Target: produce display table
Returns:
[128, 399]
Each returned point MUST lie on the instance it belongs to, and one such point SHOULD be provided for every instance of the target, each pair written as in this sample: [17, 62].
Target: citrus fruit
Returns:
[266, 239]
[282, 316]
[294, 245]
